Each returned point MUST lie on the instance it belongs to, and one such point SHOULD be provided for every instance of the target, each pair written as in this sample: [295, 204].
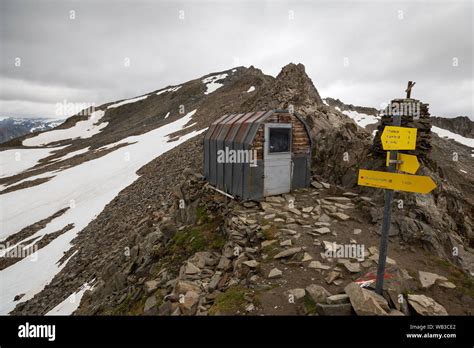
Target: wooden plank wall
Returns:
[300, 141]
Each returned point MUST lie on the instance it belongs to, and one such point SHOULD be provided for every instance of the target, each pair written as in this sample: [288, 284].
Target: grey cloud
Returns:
[85, 57]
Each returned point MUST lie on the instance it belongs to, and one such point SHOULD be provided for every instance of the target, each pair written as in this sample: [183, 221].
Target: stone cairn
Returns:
[415, 114]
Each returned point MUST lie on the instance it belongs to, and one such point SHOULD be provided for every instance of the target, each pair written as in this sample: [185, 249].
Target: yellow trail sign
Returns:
[409, 163]
[395, 181]
[398, 138]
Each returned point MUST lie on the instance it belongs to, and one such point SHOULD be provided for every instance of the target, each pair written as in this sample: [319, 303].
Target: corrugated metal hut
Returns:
[257, 154]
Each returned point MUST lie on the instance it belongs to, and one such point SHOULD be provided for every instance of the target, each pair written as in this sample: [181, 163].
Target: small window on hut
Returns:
[279, 140]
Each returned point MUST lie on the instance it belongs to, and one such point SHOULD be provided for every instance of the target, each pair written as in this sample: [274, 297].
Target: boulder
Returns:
[338, 299]
[424, 305]
[287, 253]
[317, 293]
[427, 279]
[364, 301]
[334, 309]
[275, 273]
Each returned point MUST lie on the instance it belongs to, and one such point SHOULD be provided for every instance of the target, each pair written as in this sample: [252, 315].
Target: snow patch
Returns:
[444, 133]
[361, 119]
[86, 188]
[172, 89]
[128, 101]
[70, 304]
[82, 129]
[251, 89]
[167, 115]
[211, 83]
[15, 161]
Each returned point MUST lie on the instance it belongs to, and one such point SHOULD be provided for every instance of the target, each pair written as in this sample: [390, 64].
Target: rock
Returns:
[334, 309]
[151, 306]
[325, 184]
[338, 199]
[189, 303]
[322, 230]
[306, 257]
[294, 211]
[224, 263]
[447, 285]
[424, 305]
[168, 229]
[317, 265]
[297, 293]
[250, 307]
[395, 313]
[317, 293]
[269, 242]
[151, 286]
[338, 299]
[287, 253]
[340, 216]
[275, 273]
[251, 263]
[331, 277]
[307, 209]
[321, 224]
[350, 194]
[286, 243]
[357, 231]
[289, 198]
[353, 267]
[183, 286]
[316, 185]
[324, 218]
[266, 206]
[274, 199]
[287, 230]
[214, 280]
[363, 301]
[269, 216]
[191, 269]
[427, 279]
[18, 297]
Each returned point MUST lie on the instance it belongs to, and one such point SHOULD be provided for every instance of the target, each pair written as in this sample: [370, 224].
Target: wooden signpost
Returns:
[395, 138]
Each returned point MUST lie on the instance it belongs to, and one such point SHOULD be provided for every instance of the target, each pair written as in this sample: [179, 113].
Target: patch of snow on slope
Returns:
[70, 304]
[167, 115]
[127, 101]
[90, 186]
[212, 84]
[171, 89]
[15, 161]
[362, 120]
[251, 89]
[82, 129]
[325, 102]
[444, 133]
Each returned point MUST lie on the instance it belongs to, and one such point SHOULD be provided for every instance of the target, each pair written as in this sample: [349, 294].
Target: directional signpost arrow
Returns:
[395, 181]
[395, 138]
[406, 163]
[398, 138]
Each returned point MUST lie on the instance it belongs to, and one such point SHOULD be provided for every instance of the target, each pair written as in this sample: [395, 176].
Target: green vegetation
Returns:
[310, 305]
[198, 238]
[230, 301]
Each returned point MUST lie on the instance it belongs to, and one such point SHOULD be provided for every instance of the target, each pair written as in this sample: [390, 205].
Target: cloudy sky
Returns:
[362, 52]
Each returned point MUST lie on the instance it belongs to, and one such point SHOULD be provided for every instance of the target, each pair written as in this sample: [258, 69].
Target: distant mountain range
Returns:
[12, 127]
